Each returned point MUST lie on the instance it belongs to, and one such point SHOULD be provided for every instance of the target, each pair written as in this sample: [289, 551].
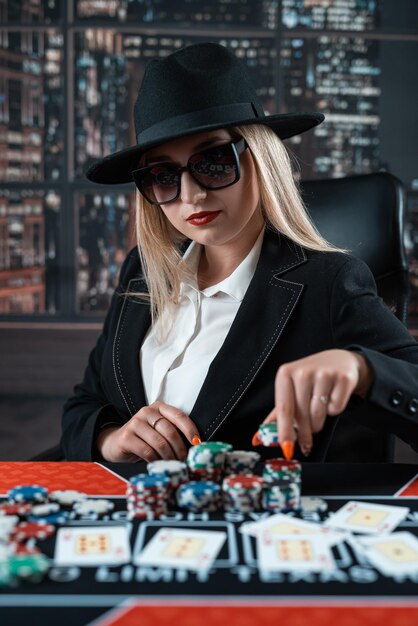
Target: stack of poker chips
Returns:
[276, 468]
[147, 496]
[175, 471]
[240, 462]
[220, 477]
[282, 485]
[29, 517]
[20, 559]
[199, 497]
[242, 493]
[206, 461]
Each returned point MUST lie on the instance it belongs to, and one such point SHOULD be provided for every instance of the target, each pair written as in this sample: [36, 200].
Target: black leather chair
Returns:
[365, 214]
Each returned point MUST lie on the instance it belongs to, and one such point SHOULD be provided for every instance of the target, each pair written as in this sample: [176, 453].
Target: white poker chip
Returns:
[67, 497]
[40, 510]
[93, 506]
[7, 524]
[161, 466]
[313, 505]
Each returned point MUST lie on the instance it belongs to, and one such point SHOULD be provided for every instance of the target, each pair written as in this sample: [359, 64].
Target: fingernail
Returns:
[306, 450]
[288, 448]
[196, 440]
[256, 441]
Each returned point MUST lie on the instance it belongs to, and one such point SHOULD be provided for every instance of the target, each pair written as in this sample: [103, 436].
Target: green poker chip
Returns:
[30, 567]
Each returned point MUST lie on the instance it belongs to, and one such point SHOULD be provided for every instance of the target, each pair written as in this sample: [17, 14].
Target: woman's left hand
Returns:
[309, 389]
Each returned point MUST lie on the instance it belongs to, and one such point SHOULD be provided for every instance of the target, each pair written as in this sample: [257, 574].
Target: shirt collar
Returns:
[234, 285]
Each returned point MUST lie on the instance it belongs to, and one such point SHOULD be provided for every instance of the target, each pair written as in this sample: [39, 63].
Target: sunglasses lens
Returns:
[215, 168]
[158, 183]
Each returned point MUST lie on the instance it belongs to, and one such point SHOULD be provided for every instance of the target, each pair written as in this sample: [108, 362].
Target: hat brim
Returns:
[117, 167]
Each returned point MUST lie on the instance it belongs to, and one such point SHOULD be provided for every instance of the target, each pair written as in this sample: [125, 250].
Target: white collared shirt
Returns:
[174, 371]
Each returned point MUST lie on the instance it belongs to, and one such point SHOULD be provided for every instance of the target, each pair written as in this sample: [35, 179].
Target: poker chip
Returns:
[32, 530]
[31, 567]
[55, 518]
[100, 506]
[22, 510]
[280, 468]
[40, 510]
[199, 497]
[242, 493]
[208, 456]
[240, 462]
[5, 576]
[28, 493]
[268, 434]
[214, 475]
[148, 481]
[313, 505]
[175, 471]
[281, 495]
[7, 524]
[147, 495]
[23, 548]
[67, 497]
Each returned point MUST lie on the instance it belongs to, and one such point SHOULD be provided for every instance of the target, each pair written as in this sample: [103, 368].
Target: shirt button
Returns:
[413, 405]
[396, 398]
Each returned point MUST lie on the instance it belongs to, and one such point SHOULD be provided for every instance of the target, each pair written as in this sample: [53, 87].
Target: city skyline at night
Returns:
[68, 82]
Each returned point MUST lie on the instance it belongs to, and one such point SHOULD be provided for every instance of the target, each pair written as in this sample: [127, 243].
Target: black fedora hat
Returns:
[197, 88]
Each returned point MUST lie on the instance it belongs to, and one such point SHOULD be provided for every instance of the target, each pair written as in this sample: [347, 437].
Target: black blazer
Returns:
[299, 302]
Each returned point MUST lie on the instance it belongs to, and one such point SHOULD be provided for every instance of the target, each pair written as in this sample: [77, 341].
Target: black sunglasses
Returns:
[214, 168]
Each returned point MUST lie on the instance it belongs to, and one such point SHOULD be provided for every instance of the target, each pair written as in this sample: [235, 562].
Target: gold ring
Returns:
[154, 423]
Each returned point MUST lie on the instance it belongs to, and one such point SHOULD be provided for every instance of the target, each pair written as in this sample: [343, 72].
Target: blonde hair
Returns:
[159, 244]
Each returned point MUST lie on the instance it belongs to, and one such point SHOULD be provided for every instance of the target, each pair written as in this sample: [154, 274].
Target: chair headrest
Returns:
[364, 214]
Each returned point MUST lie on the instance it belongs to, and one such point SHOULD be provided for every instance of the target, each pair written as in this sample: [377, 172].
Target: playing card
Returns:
[364, 517]
[181, 548]
[287, 553]
[90, 546]
[391, 554]
[281, 524]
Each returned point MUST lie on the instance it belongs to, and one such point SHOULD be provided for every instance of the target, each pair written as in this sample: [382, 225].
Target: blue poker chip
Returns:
[198, 489]
[28, 493]
[55, 518]
[149, 480]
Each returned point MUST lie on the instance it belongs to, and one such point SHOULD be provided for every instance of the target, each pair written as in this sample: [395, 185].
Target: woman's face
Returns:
[223, 217]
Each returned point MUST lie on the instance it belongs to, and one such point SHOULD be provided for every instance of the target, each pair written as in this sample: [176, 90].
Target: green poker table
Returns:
[234, 590]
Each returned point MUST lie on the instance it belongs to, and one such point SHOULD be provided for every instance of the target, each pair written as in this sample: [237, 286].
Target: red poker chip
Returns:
[244, 481]
[22, 548]
[33, 530]
[279, 464]
[15, 509]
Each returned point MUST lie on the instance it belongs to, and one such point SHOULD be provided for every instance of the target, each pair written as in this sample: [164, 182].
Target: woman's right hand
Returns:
[151, 434]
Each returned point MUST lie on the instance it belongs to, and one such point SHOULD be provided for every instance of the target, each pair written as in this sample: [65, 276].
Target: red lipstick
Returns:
[204, 217]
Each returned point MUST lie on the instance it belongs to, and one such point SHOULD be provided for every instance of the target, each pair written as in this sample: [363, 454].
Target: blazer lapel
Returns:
[261, 319]
[134, 321]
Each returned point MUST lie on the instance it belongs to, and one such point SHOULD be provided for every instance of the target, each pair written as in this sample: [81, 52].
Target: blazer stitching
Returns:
[225, 407]
[299, 257]
[122, 318]
[117, 356]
